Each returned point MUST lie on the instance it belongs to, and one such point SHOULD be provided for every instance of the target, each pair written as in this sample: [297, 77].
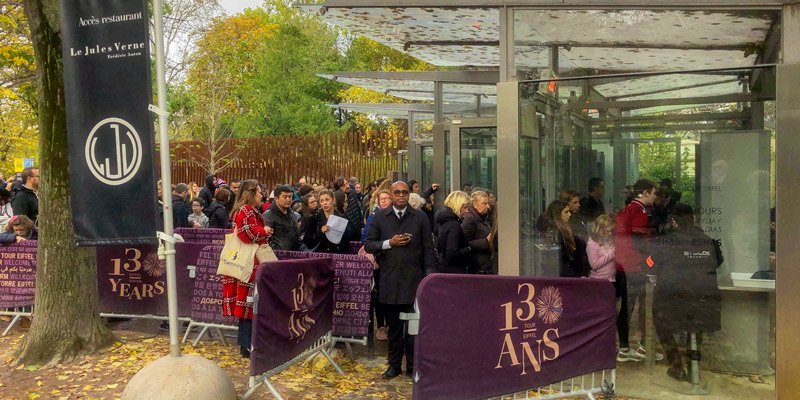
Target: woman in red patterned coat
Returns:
[237, 296]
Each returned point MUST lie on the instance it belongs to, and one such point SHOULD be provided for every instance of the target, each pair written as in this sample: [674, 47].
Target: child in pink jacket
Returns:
[600, 249]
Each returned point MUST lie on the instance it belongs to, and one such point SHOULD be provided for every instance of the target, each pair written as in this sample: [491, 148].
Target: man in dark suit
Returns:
[400, 238]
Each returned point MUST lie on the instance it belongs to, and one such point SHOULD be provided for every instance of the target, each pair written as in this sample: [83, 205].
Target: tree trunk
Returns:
[66, 314]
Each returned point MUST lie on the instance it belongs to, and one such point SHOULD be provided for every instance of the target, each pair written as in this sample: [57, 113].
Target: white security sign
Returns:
[120, 166]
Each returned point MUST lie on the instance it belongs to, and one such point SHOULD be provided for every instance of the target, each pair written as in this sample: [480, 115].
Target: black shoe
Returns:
[164, 326]
[678, 373]
[391, 373]
[244, 351]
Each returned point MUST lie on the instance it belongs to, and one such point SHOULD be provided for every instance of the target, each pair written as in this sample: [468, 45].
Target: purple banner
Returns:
[131, 280]
[207, 235]
[352, 291]
[18, 274]
[199, 284]
[484, 336]
[294, 310]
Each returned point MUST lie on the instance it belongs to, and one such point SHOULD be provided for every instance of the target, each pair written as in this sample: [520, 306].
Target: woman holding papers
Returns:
[328, 232]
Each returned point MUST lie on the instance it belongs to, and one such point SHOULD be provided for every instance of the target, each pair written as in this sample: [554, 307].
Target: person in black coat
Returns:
[217, 213]
[315, 237]
[451, 245]
[476, 228]
[24, 200]
[686, 297]
[592, 205]
[180, 208]
[208, 191]
[283, 221]
[400, 238]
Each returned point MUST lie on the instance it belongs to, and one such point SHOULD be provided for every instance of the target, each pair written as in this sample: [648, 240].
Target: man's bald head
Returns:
[400, 194]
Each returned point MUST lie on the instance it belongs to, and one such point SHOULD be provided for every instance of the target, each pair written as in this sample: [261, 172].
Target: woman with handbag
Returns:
[237, 295]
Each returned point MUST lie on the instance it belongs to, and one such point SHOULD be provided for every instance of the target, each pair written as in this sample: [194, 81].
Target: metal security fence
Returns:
[320, 157]
[587, 386]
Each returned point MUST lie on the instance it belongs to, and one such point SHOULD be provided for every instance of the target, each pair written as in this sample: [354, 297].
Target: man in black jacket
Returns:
[283, 221]
[592, 205]
[400, 238]
[180, 207]
[209, 189]
[24, 200]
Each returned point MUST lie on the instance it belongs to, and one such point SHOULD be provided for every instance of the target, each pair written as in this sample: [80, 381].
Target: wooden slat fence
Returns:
[285, 158]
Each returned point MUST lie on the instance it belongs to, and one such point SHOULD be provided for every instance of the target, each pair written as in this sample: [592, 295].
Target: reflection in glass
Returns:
[700, 238]
[479, 157]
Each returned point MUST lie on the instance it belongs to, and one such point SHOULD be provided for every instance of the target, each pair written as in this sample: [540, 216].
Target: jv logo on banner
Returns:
[125, 158]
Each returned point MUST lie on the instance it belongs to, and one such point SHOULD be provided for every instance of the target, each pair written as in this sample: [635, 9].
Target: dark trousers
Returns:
[637, 289]
[380, 308]
[245, 336]
[400, 342]
[630, 289]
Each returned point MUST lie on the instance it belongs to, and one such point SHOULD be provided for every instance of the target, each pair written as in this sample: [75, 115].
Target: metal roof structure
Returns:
[590, 38]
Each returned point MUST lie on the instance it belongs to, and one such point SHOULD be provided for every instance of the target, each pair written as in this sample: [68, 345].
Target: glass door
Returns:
[474, 144]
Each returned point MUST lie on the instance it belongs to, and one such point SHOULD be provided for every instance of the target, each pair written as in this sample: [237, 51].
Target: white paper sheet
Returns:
[338, 226]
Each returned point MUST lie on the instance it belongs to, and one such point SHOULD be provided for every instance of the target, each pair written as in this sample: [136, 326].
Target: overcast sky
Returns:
[236, 6]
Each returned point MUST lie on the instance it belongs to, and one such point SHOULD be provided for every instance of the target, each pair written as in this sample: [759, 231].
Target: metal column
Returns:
[508, 151]
[787, 147]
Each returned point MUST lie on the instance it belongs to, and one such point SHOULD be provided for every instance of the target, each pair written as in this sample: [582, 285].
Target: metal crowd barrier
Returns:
[586, 386]
[17, 314]
[321, 346]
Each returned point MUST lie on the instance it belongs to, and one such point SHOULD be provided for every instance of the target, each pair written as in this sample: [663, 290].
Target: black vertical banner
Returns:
[111, 144]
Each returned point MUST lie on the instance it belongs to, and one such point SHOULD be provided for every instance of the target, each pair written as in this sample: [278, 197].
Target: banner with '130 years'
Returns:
[108, 89]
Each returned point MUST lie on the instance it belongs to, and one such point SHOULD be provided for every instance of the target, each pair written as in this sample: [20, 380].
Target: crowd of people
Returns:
[653, 235]
[406, 239]
[395, 221]
[19, 207]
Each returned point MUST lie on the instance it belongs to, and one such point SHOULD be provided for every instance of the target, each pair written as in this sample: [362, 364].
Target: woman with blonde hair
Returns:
[451, 245]
[416, 201]
[249, 227]
[600, 249]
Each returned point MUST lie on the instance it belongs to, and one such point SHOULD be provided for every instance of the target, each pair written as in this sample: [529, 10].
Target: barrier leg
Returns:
[11, 324]
[188, 330]
[200, 336]
[649, 342]
[253, 387]
[694, 366]
[349, 349]
[609, 386]
[330, 360]
[221, 336]
[272, 389]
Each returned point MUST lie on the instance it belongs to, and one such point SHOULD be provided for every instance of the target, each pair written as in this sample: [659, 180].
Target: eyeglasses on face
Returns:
[400, 192]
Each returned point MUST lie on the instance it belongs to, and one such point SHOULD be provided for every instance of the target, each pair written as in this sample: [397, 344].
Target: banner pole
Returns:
[166, 180]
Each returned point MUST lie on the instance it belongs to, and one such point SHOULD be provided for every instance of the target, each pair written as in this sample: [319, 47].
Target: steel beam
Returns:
[636, 104]
[475, 77]
[563, 4]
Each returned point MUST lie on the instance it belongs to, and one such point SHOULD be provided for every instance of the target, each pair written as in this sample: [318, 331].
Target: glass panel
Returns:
[427, 166]
[447, 169]
[479, 157]
[463, 100]
[678, 186]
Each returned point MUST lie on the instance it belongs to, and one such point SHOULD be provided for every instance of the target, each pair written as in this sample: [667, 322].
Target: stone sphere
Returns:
[185, 377]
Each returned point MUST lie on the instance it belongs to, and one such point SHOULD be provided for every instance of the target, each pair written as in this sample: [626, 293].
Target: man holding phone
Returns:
[400, 238]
